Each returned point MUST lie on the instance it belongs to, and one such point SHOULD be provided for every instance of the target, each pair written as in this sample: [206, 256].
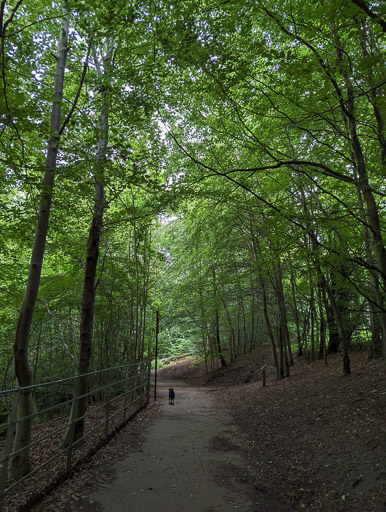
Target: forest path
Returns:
[188, 462]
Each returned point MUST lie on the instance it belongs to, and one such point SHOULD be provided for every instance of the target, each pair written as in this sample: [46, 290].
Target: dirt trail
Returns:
[185, 463]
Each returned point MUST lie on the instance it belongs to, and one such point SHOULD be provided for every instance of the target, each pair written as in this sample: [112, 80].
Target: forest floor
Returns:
[313, 442]
[317, 440]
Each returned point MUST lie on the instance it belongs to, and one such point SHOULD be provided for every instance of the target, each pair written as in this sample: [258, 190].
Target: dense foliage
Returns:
[219, 162]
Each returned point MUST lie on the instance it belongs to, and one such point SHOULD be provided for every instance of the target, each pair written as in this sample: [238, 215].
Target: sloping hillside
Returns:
[317, 439]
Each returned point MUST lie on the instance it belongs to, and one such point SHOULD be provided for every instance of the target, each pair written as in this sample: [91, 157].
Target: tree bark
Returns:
[253, 320]
[322, 344]
[296, 315]
[269, 327]
[283, 324]
[231, 332]
[92, 254]
[20, 464]
[341, 329]
[372, 213]
[312, 320]
[217, 320]
[377, 303]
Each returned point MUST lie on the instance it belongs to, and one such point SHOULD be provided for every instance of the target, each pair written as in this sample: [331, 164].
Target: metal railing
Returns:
[114, 395]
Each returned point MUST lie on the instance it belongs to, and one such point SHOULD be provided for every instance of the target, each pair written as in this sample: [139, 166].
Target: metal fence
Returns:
[114, 395]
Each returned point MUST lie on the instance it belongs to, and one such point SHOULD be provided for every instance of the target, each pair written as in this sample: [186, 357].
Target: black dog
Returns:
[171, 396]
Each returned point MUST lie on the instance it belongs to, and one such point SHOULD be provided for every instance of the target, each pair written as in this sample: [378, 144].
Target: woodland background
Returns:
[221, 163]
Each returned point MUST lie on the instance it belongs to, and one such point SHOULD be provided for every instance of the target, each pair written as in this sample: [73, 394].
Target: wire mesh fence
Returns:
[113, 396]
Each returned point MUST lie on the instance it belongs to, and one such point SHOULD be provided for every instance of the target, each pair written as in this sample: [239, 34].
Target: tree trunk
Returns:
[20, 464]
[92, 254]
[268, 324]
[372, 214]
[341, 329]
[376, 302]
[334, 340]
[217, 320]
[296, 315]
[253, 320]
[231, 332]
[312, 321]
[136, 325]
[283, 319]
[322, 345]
[146, 275]
[245, 336]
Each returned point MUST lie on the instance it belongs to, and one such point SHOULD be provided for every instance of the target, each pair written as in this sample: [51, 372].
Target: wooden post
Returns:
[263, 372]
[156, 357]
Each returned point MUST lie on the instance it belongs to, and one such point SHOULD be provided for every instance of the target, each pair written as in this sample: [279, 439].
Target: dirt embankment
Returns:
[316, 439]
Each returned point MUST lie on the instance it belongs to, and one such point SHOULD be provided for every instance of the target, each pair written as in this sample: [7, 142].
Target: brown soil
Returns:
[316, 439]
[313, 442]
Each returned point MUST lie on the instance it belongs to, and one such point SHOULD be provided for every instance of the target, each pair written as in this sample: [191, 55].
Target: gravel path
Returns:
[188, 462]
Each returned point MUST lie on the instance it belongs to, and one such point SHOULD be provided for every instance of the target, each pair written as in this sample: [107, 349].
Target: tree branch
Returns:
[69, 115]
[365, 8]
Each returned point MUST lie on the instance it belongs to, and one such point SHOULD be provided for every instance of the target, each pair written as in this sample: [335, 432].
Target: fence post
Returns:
[125, 401]
[138, 384]
[148, 364]
[263, 372]
[108, 394]
[144, 382]
[8, 443]
[73, 416]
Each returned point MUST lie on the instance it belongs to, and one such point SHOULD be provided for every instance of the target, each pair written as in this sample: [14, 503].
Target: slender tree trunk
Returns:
[341, 329]
[245, 329]
[283, 317]
[281, 351]
[92, 254]
[20, 464]
[238, 338]
[146, 267]
[130, 327]
[253, 320]
[269, 327]
[231, 332]
[205, 337]
[283, 347]
[217, 320]
[254, 246]
[322, 345]
[312, 321]
[305, 333]
[211, 348]
[137, 282]
[296, 315]
[334, 339]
